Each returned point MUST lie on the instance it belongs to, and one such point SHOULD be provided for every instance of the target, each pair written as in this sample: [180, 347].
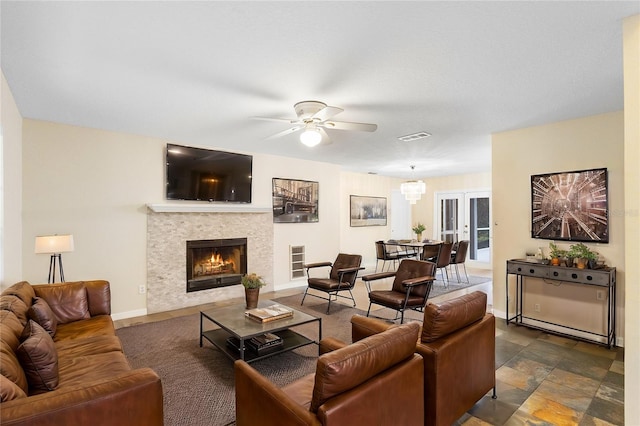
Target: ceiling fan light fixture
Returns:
[311, 137]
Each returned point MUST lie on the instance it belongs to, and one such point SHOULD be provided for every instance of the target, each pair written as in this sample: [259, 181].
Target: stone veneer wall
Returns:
[167, 234]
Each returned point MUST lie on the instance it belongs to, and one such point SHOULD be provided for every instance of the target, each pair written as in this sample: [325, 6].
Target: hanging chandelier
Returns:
[413, 189]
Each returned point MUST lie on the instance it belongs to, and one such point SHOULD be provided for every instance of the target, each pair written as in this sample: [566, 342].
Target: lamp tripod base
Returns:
[52, 268]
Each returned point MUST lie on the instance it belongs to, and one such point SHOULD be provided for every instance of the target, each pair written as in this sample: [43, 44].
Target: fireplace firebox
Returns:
[215, 263]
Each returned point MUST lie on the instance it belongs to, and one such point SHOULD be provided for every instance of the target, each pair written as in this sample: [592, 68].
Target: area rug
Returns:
[439, 288]
[198, 383]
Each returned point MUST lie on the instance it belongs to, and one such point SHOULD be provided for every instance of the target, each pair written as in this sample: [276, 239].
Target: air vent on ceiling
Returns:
[414, 136]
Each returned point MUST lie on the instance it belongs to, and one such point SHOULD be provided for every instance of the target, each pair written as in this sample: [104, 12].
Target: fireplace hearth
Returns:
[215, 263]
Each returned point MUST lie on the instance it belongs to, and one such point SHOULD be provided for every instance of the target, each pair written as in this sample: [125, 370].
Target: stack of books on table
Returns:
[265, 343]
[270, 313]
[260, 344]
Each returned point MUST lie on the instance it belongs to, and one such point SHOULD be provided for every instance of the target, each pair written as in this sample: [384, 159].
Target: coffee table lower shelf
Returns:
[290, 340]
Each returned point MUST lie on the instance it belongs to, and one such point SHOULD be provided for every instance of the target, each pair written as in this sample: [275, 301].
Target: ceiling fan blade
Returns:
[346, 125]
[285, 132]
[326, 113]
[286, 120]
[326, 140]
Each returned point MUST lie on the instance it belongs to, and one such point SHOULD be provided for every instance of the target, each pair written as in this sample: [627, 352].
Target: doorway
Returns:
[400, 214]
[466, 216]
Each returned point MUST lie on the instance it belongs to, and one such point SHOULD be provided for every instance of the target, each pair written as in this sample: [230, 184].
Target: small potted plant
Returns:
[583, 255]
[252, 283]
[418, 230]
[556, 254]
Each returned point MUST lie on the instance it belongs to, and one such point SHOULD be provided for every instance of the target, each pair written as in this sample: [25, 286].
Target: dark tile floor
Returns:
[543, 379]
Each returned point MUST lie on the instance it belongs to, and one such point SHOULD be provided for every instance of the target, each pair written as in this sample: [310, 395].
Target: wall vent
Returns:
[296, 260]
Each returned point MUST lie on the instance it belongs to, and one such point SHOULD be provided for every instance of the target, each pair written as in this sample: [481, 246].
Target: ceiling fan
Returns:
[314, 117]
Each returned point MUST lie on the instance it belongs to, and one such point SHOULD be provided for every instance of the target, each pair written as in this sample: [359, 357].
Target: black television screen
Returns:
[570, 206]
[208, 175]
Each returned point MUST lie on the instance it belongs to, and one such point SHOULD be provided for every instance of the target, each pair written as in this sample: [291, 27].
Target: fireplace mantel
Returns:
[207, 208]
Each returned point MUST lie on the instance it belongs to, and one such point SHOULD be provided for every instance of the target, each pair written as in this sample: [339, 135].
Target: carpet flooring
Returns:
[198, 383]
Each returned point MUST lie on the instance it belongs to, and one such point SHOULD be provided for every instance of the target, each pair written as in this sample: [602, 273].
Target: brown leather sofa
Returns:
[457, 344]
[62, 363]
[377, 381]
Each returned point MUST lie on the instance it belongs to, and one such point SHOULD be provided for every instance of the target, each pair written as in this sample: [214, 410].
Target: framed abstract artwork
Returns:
[570, 206]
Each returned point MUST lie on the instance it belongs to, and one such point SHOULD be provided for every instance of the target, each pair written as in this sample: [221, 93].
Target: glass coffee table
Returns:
[236, 329]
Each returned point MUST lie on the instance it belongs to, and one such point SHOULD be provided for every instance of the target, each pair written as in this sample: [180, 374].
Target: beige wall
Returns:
[10, 188]
[632, 215]
[360, 240]
[585, 143]
[96, 184]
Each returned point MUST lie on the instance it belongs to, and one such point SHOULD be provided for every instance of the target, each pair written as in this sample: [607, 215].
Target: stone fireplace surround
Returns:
[168, 229]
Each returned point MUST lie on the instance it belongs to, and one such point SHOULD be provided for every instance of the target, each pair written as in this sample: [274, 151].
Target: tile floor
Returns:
[542, 379]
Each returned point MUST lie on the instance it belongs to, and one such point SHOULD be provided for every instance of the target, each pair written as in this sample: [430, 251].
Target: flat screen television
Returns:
[570, 206]
[207, 175]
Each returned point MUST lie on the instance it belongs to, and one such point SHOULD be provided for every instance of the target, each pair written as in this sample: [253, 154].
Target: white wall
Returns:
[95, 185]
[10, 188]
[585, 143]
[631, 30]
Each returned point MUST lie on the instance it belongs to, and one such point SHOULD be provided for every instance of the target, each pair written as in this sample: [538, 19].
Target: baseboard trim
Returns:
[129, 314]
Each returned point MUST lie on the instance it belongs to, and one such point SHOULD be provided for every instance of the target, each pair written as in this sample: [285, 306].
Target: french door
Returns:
[466, 216]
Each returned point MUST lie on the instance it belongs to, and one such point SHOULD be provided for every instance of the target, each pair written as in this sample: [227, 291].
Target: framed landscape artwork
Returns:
[295, 201]
[368, 211]
[570, 206]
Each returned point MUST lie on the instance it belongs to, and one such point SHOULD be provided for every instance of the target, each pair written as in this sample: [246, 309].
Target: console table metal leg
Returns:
[200, 329]
[506, 297]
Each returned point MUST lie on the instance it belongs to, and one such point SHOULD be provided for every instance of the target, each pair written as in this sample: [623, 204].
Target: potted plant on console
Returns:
[583, 255]
[556, 254]
[252, 283]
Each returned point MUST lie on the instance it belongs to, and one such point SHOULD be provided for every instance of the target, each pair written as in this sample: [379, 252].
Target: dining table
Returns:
[413, 248]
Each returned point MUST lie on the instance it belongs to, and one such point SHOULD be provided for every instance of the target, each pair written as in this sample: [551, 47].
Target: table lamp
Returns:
[55, 245]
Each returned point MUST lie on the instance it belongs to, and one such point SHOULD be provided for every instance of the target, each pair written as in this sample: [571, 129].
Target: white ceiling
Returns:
[195, 72]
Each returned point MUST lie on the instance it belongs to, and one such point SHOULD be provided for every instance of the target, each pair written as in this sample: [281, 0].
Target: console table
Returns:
[605, 278]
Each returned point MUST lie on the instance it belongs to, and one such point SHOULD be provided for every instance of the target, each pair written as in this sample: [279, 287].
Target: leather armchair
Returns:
[352, 385]
[410, 290]
[457, 344]
[342, 278]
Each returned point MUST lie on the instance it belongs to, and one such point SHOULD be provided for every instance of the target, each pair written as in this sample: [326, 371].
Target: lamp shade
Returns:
[54, 244]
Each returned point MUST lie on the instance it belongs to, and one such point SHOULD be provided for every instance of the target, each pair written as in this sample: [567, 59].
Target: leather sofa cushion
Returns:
[23, 290]
[86, 346]
[14, 304]
[81, 370]
[445, 318]
[101, 325]
[10, 330]
[41, 313]
[10, 368]
[39, 359]
[9, 390]
[99, 297]
[68, 301]
[348, 367]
